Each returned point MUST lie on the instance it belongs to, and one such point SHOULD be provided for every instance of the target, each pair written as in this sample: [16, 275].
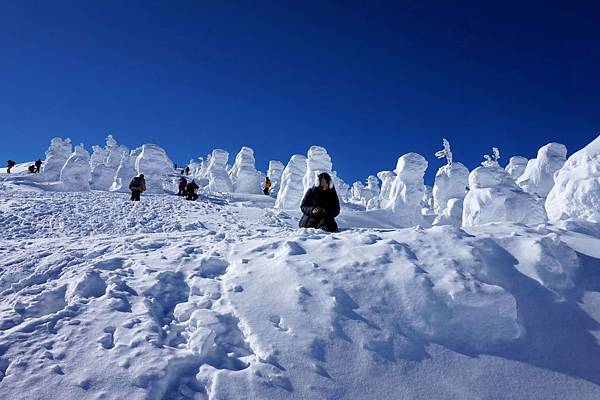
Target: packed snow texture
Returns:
[155, 165]
[448, 193]
[216, 172]
[292, 185]
[274, 173]
[317, 161]
[576, 192]
[56, 156]
[224, 298]
[243, 174]
[125, 171]
[516, 166]
[387, 179]
[495, 197]
[407, 189]
[75, 174]
[538, 177]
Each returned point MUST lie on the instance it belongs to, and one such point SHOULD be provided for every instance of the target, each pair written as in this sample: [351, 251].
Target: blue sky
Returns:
[368, 80]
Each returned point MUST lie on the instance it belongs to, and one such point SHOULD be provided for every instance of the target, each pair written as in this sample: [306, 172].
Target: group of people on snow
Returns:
[320, 205]
[33, 169]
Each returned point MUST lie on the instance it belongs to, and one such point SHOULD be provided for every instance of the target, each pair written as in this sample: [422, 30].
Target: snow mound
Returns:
[56, 156]
[538, 177]
[494, 197]
[317, 161]
[243, 174]
[292, 186]
[75, 174]
[407, 189]
[156, 166]
[516, 166]
[216, 172]
[450, 186]
[576, 193]
[274, 173]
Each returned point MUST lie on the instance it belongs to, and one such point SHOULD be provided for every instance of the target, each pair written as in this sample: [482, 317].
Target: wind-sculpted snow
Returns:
[243, 174]
[538, 177]
[292, 186]
[407, 189]
[154, 163]
[576, 193]
[75, 174]
[224, 298]
[494, 197]
[449, 192]
[57, 154]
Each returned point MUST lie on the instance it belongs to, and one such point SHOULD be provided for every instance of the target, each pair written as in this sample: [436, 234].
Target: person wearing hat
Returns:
[320, 205]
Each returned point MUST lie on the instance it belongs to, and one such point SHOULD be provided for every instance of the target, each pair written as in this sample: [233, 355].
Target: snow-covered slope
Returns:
[224, 298]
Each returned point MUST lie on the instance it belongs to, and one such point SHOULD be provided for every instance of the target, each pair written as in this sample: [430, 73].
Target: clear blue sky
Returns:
[368, 80]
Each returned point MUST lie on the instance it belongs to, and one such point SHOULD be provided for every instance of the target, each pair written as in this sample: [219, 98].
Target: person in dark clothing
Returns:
[320, 206]
[137, 186]
[182, 185]
[187, 170]
[9, 165]
[38, 165]
[267, 186]
[31, 169]
[191, 191]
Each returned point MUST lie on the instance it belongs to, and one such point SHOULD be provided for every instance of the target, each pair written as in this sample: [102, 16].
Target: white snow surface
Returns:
[516, 166]
[224, 298]
[495, 197]
[576, 193]
[291, 190]
[274, 173]
[538, 177]
[243, 174]
[57, 154]
[317, 161]
[450, 184]
[155, 165]
[216, 172]
[407, 189]
[75, 175]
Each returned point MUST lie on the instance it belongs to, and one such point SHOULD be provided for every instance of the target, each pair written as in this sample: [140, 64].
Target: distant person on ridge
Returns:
[187, 170]
[9, 165]
[38, 165]
[267, 186]
[320, 206]
[182, 184]
[137, 186]
[191, 191]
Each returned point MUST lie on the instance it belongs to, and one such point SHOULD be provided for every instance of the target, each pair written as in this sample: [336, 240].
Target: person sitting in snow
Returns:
[320, 205]
[182, 184]
[267, 186]
[31, 169]
[38, 165]
[191, 190]
[9, 165]
[137, 186]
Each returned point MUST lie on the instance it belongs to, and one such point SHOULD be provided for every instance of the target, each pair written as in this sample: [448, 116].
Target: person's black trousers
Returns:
[135, 195]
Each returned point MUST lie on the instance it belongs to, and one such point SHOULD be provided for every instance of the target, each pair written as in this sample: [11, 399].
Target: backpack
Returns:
[136, 182]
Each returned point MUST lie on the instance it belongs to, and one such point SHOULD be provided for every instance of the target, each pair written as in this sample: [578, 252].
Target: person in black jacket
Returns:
[320, 206]
[190, 191]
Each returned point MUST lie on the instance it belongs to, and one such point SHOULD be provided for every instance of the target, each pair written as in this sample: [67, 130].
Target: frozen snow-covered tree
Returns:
[492, 161]
[445, 152]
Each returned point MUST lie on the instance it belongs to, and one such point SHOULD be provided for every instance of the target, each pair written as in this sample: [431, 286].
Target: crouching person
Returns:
[320, 206]
[191, 189]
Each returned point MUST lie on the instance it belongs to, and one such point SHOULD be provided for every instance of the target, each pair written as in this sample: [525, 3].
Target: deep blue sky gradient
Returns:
[368, 80]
